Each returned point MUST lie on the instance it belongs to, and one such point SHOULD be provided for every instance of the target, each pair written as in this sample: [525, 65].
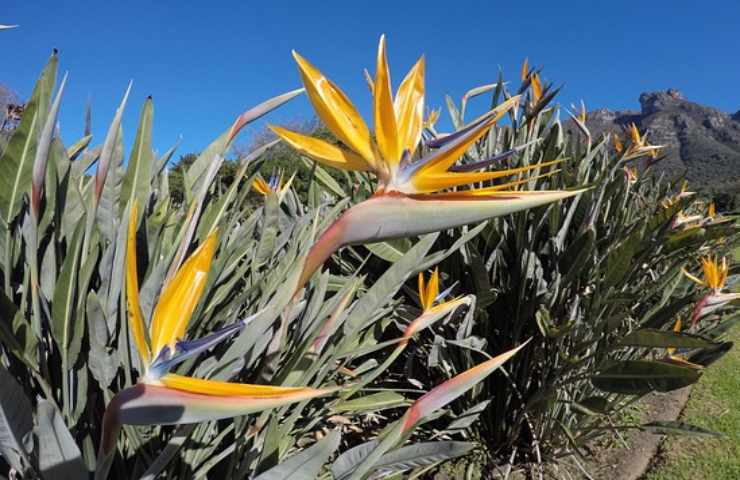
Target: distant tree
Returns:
[225, 175]
[177, 176]
[280, 158]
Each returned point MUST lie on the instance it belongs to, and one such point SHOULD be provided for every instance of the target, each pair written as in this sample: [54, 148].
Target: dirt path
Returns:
[633, 462]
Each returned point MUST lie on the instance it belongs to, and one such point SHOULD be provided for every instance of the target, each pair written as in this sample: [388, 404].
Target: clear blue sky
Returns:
[205, 62]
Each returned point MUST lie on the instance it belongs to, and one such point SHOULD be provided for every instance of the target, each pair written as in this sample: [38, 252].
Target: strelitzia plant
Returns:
[435, 399]
[617, 143]
[432, 119]
[698, 219]
[161, 397]
[536, 87]
[579, 116]
[678, 355]
[683, 221]
[275, 185]
[711, 211]
[714, 278]
[433, 303]
[434, 308]
[639, 146]
[711, 217]
[671, 351]
[671, 200]
[411, 197]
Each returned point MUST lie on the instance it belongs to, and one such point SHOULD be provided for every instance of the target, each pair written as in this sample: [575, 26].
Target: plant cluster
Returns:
[143, 335]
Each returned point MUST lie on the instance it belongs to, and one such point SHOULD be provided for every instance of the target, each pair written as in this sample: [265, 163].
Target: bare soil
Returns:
[632, 462]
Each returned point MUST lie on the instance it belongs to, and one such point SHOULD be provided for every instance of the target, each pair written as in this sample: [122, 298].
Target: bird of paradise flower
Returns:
[435, 306]
[412, 195]
[274, 185]
[714, 274]
[164, 398]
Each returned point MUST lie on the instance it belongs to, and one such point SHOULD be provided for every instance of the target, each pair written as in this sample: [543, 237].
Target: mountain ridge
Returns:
[701, 142]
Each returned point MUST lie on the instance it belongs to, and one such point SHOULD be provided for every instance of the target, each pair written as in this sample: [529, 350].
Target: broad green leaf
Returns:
[457, 120]
[78, 147]
[16, 422]
[59, 456]
[22, 325]
[405, 458]
[666, 315]
[84, 278]
[138, 171]
[270, 227]
[479, 275]
[8, 312]
[63, 323]
[270, 451]
[48, 273]
[41, 157]
[373, 402]
[259, 328]
[181, 435]
[619, 261]
[112, 273]
[192, 217]
[218, 210]
[637, 377]
[371, 345]
[466, 235]
[102, 363]
[421, 455]
[113, 138]
[650, 337]
[685, 238]
[306, 464]
[577, 254]
[324, 178]
[165, 159]
[391, 250]
[468, 417]
[350, 459]
[107, 216]
[708, 356]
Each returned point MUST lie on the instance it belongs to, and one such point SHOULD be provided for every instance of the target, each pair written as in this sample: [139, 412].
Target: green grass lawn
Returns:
[714, 404]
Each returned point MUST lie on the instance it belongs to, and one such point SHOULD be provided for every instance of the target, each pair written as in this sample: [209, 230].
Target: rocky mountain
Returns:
[701, 142]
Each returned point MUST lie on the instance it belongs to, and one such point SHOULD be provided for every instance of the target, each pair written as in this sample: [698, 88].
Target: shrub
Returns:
[69, 240]
[123, 307]
[595, 283]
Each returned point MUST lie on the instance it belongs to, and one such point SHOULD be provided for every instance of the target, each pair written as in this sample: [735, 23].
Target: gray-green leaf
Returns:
[138, 172]
[307, 464]
[59, 456]
[637, 377]
[16, 421]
